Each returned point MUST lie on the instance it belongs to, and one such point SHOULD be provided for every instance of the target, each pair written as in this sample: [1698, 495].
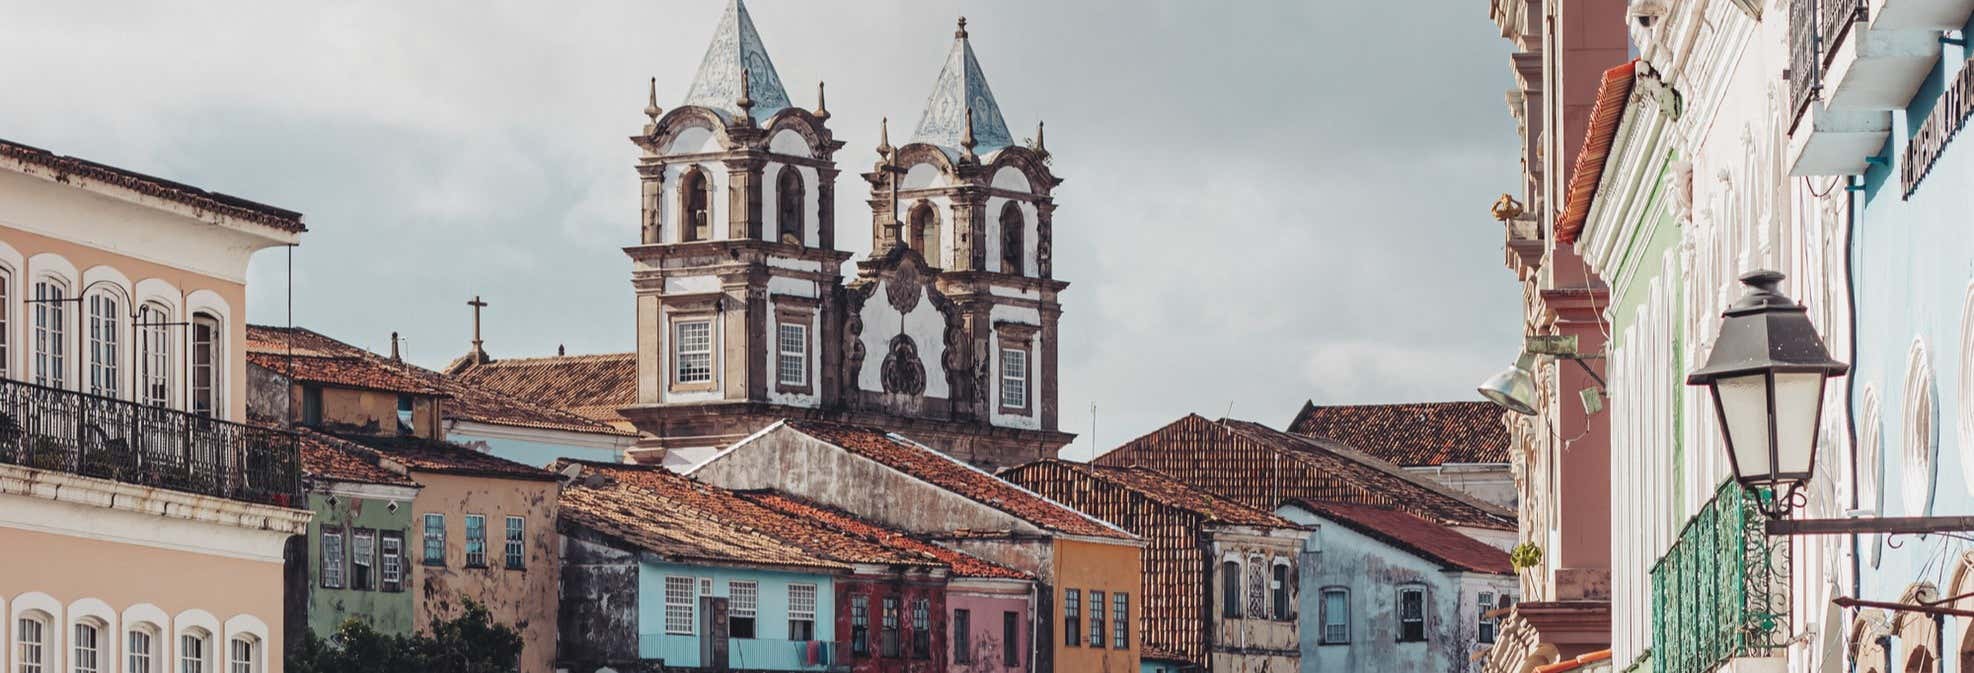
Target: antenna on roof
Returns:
[1230, 410]
[1093, 430]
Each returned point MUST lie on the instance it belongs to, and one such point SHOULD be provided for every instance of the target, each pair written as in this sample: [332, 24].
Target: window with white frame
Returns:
[435, 539]
[1485, 628]
[679, 600]
[792, 354]
[192, 654]
[476, 541]
[105, 343]
[138, 655]
[1014, 378]
[921, 628]
[512, 549]
[332, 558]
[391, 565]
[86, 646]
[1257, 588]
[1279, 588]
[693, 345]
[153, 332]
[743, 600]
[801, 612]
[206, 338]
[50, 333]
[6, 324]
[1411, 614]
[31, 644]
[363, 553]
[1335, 607]
[244, 656]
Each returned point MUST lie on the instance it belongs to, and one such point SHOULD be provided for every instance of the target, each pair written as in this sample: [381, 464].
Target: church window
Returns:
[789, 197]
[1014, 379]
[792, 353]
[1012, 226]
[694, 346]
[696, 195]
[925, 232]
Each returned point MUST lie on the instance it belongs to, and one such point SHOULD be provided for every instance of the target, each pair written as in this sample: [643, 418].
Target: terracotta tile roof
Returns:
[1262, 467]
[428, 455]
[468, 401]
[945, 472]
[647, 487]
[344, 372]
[66, 167]
[961, 563]
[1144, 481]
[332, 458]
[1613, 95]
[1581, 662]
[1174, 519]
[1429, 540]
[1411, 435]
[672, 516]
[591, 386]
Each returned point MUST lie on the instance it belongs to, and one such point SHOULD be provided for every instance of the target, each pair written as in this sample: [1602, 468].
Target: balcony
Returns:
[1722, 591]
[67, 431]
[1851, 63]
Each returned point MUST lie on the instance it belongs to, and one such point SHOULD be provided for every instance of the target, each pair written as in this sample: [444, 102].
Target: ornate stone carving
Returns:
[902, 289]
[902, 372]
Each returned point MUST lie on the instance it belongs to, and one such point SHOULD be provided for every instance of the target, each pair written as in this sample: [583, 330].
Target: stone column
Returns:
[826, 208]
[651, 176]
[744, 197]
[1045, 216]
[969, 216]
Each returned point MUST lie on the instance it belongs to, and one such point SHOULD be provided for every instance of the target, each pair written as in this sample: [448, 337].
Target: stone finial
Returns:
[822, 103]
[746, 102]
[561, 350]
[961, 33]
[1041, 146]
[966, 135]
[884, 138]
[396, 355]
[1506, 208]
[651, 109]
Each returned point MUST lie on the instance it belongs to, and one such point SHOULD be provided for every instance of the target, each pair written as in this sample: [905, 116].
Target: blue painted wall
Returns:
[539, 454]
[769, 650]
[1913, 261]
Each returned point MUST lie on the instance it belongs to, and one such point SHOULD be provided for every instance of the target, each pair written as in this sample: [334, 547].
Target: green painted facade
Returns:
[366, 508]
[1642, 260]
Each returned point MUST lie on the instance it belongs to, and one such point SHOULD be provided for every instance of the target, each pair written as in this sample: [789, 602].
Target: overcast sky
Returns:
[1266, 202]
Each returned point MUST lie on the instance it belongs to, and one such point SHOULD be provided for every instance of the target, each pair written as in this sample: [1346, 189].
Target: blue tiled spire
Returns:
[961, 86]
[737, 49]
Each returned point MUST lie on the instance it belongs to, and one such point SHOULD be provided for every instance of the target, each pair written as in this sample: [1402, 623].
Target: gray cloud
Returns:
[1266, 201]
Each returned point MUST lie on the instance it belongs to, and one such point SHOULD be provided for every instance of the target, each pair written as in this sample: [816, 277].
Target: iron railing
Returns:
[67, 431]
[1722, 590]
[1816, 29]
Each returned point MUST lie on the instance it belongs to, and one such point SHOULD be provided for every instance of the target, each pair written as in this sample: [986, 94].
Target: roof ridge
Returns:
[1097, 471]
[1367, 460]
[541, 359]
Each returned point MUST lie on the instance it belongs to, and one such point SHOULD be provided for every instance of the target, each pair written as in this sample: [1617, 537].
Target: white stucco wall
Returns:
[926, 326]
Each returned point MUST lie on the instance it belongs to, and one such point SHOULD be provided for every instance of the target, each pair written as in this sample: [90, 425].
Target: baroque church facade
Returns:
[946, 334]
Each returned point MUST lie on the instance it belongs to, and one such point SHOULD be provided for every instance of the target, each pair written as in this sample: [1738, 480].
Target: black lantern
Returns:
[1767, 372]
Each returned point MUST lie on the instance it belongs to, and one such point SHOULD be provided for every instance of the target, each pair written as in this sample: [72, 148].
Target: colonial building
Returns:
[948, 332]
[360, 564]
[123, 459]
[1383, 590]
[1261, 467]
[1561, 453]
[1087, 571]
[1220, 577]
[483, 526]
[765, 581]
[1462, 445]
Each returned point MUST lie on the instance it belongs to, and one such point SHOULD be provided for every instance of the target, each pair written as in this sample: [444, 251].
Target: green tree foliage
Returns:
[471, 643]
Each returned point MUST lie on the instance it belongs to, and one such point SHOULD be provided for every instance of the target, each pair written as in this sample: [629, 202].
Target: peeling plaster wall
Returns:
[524, 598]
[386, 611]
[598, 618]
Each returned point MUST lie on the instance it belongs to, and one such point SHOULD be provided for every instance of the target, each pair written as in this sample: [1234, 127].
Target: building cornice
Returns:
[62, 504]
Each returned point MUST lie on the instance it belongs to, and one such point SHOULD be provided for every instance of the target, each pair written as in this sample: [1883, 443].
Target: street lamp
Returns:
[1514, 388]
[1767, 372]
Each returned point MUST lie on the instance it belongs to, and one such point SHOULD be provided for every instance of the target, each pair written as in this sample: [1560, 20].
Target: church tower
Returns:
[736, 272]
[975, 208]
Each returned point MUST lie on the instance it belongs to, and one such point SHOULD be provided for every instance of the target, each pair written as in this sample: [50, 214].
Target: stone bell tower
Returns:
[977, 208]
[736, 268]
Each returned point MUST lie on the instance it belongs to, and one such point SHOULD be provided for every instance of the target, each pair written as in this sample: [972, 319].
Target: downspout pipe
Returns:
[1850, 387]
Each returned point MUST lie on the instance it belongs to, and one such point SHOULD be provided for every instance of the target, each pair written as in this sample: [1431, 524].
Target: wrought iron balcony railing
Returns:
[1722, 590]
[67, 431]
[1816, 29]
